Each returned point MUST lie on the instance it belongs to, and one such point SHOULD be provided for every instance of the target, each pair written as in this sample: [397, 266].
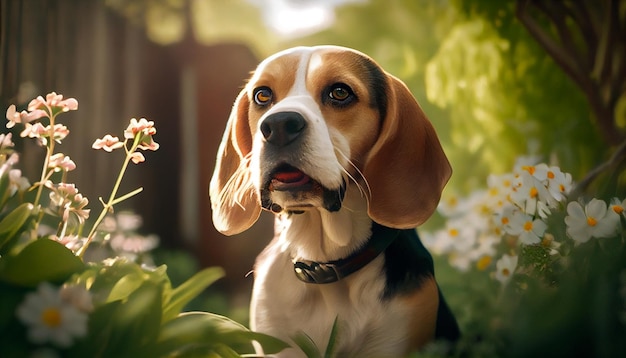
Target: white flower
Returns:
[594, 220]
[528, 191]
[502, 218]
[559, 183]
[50, 318]
[500, 190]
[449, 205]
[505, 267]
[618, 206]
[529, 230]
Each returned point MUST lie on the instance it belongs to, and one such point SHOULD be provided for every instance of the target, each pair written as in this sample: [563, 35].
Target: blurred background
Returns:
[498, 79]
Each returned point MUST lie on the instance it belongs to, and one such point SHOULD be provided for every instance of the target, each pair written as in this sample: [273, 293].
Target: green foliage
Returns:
[55, 302]
[491, 92]
[137, 312]
[13, 224]
[31, 265]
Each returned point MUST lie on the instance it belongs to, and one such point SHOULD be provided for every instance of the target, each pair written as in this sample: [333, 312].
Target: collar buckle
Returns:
[316, 272]
[328, 272]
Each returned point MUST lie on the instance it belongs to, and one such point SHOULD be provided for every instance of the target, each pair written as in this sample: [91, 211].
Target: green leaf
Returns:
[41, 260]
[307, 345]
[12, 226]
[189, 289]
[332, 340]
[310, 349]
[192, 330]
[126, 286]
[124, 328]
[4, 190]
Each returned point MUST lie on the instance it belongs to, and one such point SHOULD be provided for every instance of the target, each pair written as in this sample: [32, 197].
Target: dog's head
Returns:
[312, 120]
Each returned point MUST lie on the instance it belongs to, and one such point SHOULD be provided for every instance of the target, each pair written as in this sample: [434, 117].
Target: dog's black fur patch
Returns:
[407, 264]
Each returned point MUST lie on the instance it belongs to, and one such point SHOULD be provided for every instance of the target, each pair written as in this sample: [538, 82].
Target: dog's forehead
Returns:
[288, 70]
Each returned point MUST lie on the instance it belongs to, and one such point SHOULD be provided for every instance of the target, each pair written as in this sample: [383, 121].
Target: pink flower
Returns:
[60, 192]
[150, 145]
[61, 162]
[136, 126]
[137, 157]
[78, 207]
[146, 130]
[13, 116]
[5, 140]
[36, 130]
[108, 143]
[17, 182]
[53, 103]
[60, 132]
[68, 200]
[72, 242]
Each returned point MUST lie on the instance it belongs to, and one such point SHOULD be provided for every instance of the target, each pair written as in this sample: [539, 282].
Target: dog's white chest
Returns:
[283, 306]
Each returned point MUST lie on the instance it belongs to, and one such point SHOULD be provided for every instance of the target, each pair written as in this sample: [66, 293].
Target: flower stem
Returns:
[44, 174]
[46, 162]
[108, 206]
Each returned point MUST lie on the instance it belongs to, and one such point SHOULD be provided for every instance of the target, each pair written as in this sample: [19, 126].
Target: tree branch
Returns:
[597, 89]
[555, 10]
[562, 58]
[603, 59]
[618, 157]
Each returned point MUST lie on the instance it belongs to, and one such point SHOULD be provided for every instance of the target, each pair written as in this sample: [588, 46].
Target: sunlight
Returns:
[290, 18]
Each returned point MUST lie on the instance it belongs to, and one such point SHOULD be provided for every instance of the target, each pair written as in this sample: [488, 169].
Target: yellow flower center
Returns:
[453, 232]
[562, 188]
[618, 209]
[51, 317]
[506, 272]
[528, 225]
[550, 175]
[534, 192]
[529, 168]
[505, 220]
[547, 240]
[591, 221]
[483, 263]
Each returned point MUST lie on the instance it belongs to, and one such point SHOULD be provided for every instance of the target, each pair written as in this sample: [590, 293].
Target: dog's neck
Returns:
[319, 235]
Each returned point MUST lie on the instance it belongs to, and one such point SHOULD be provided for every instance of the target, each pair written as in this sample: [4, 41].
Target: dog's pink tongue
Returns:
[290, 176]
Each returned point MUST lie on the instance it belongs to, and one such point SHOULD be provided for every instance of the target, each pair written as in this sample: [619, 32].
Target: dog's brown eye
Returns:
[262, 96]
[339, 93]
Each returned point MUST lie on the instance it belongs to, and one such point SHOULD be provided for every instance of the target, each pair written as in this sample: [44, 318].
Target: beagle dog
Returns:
[344, 156]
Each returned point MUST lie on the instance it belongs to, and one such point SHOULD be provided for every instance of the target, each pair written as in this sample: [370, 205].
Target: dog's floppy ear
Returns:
[407, 168]
[234, 201]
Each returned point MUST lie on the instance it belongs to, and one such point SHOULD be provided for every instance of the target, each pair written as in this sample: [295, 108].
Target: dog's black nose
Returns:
[282, 128]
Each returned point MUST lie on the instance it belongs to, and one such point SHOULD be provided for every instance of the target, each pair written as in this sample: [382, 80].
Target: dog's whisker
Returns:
[366, 193]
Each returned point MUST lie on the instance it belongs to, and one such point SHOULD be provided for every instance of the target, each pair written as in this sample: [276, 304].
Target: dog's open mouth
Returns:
[286, 177]
[289, 188]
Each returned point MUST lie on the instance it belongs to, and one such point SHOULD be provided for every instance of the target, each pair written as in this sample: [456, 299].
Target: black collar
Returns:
[333, 271]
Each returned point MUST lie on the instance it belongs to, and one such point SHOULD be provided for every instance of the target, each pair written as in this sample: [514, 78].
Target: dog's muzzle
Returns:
[282, 159]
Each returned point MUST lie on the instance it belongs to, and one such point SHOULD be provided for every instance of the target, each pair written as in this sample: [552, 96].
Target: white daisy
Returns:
[505, 267]
[594, 220]
[50, 318]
